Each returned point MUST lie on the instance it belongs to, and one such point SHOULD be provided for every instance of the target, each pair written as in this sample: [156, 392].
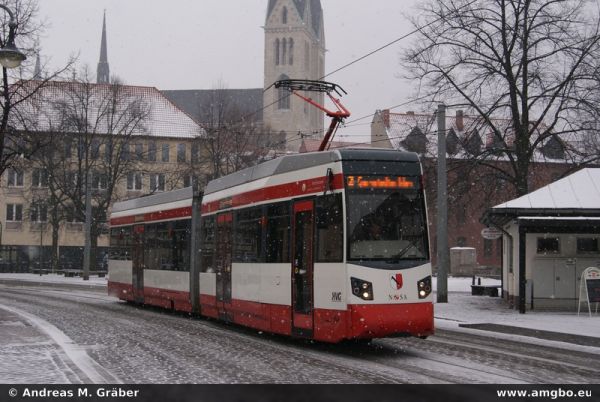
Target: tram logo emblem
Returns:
[396, 281]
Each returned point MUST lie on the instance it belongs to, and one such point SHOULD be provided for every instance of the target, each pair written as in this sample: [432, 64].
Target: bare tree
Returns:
[527, 68]
[18, 125]
[230, 140]
[93, 131]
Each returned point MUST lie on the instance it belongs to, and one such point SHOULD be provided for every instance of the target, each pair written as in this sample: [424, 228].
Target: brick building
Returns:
[472, 187]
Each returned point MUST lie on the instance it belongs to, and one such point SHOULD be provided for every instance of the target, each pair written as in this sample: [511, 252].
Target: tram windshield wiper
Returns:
[402, 252]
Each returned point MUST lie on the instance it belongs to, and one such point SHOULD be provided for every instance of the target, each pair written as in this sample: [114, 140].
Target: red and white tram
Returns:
[329, 246]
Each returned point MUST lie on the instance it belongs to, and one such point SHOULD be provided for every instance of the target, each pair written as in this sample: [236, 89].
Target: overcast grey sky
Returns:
[192, 44]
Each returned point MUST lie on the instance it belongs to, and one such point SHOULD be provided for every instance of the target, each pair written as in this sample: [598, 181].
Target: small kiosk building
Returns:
[550, 237]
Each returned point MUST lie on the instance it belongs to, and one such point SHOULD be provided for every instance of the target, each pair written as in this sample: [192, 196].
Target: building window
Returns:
[134, 181]
[276, 52]
[72, 215]
[139, 152]
[165, 152]
[68, 148]
[39, 213]
[152, 151]
[39, 178]
[157, 182]
[587, 245]
[461, 215]
[488, 246]
[195, 153]
[108, 150]
[306, 55]
[81, 148]
[284, 16]
[15, 178]
[499, 247]
[95, 149]
[283, 102]
[181, 152]
[14, 212]
[125, 152]
[190, 180]
[283, 51]
[99, 181]
[550, 245]
[291, 47]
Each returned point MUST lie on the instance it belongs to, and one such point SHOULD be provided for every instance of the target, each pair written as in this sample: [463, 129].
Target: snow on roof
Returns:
[165, 119]
[466, 136]
[581, 190]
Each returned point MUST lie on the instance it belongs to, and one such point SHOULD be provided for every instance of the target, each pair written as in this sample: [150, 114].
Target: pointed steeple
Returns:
[103, 72]
[37, 71]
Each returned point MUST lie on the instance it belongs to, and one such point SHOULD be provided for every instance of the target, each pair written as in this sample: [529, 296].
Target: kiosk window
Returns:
[587, 245]
[550, 245]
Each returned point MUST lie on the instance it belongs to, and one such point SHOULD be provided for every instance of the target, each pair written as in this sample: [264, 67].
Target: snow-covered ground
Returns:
[462, 308]
[54, 278]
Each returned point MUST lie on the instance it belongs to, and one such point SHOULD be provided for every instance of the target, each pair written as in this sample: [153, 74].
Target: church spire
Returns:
[103, 73]
[37, 71]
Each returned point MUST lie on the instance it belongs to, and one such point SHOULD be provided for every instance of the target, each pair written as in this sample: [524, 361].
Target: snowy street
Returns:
[57, 334]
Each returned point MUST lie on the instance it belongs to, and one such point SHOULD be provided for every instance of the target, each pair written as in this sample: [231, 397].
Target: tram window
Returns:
[180, 237]
[386, 225]
[207, 236]
[330, 229]
[163, 247]
[120, 244]
[150, 247]
[247, 244]
[278, 233]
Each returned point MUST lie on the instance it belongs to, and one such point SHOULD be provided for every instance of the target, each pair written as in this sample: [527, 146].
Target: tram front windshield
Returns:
[386, 219]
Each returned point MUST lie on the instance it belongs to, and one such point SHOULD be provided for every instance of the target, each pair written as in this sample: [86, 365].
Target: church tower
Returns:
[103, 72]
[294, 49]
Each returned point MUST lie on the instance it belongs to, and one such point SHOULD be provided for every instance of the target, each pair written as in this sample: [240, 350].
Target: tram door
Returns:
[137, 257]
[302, 269]
[223, 260]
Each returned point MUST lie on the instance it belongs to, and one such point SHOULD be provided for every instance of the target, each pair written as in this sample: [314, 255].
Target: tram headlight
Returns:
[362, 289]
[424, 287]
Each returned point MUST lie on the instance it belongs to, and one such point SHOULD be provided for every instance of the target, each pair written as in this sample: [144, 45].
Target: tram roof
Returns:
[155, 199]
[291, 163]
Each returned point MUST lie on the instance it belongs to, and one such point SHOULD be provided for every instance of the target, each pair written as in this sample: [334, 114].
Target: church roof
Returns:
[196, 102]
[36, 113]
[316, 12]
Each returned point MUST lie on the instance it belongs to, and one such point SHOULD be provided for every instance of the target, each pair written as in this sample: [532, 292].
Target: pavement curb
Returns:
[536, 333]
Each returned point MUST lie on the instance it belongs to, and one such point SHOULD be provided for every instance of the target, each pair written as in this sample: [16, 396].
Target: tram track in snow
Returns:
[447, 357]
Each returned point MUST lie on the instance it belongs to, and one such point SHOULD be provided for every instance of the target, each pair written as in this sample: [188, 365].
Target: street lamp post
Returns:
[10, 55]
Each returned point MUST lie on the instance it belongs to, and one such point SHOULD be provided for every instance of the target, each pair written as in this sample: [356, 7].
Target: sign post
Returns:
[590, 284]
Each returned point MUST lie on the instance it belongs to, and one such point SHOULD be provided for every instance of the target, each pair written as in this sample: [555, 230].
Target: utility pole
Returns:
[87, 250]
[442, 210]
